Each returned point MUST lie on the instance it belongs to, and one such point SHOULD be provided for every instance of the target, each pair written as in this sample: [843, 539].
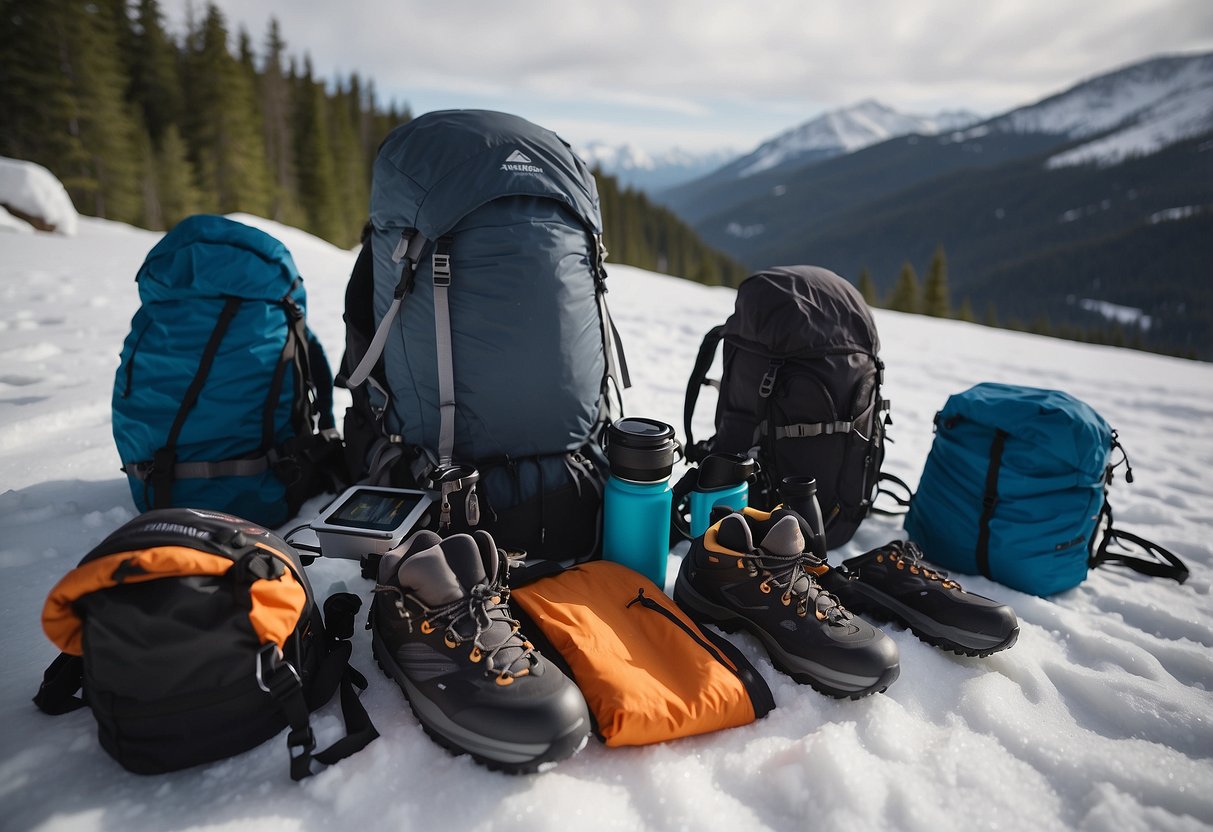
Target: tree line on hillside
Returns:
[933, 297]
[147, 128]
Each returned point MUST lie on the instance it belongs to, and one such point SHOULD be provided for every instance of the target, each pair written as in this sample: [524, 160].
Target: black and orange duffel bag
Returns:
[647, 671]
[195, 636]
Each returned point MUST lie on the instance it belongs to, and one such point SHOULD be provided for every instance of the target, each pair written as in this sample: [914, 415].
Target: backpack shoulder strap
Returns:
[699, 378]
[1160, 564]
[408, 254]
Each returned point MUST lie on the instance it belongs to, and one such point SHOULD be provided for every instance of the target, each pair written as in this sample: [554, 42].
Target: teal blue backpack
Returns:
[223, 398]
[1015, 488]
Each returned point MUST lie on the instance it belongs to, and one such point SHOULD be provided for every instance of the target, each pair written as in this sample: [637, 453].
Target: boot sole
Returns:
[876, 604]
[495, 754]
[824, 680]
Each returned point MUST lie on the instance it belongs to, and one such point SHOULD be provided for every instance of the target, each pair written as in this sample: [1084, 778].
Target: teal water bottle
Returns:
[723, 480]
[638, 496]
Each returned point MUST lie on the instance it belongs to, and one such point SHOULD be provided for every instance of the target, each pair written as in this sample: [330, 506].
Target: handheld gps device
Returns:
[369, 520]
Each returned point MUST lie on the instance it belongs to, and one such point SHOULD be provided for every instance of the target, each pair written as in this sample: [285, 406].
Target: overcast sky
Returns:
[704, 75]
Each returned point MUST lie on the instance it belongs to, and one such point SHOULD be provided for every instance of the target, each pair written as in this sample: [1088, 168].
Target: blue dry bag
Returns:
[1014, 488]
[223, 398]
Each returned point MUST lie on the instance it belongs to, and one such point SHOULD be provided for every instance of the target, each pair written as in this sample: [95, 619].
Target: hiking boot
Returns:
[770, 589]
[442, 629]
[893, 583]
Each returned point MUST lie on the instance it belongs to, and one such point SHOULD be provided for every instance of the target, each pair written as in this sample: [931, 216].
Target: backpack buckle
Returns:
[768, 381]
[442, 269]
[275, 676]
[441, 261]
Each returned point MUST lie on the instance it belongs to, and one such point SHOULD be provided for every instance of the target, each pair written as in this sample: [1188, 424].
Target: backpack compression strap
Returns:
[989, 502]
[699, 378]
[408, 254]
[164, 467]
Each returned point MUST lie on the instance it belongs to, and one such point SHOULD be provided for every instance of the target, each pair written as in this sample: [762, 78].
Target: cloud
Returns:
[688, 59]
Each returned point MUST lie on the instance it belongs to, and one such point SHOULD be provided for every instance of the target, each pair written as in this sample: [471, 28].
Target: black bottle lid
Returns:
[641, 450]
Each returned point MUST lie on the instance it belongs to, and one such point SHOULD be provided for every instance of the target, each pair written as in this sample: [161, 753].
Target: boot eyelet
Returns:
[786, 598]
[426, 626]
[449, 641]
[914, 570]
[880, 558]
[764, 588]
[740, 563]
[504, 680]
[475, 655]
[821, 616]
[900, 565]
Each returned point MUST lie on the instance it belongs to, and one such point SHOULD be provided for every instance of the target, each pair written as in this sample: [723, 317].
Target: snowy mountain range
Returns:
[844, 130]
[1103, 191]
[1133, 112]
[635, 168]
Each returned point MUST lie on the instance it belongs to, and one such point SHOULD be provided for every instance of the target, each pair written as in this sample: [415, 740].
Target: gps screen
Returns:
[376, 510]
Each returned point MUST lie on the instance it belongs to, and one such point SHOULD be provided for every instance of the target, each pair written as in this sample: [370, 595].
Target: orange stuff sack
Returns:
[195, 636]
[647, 671]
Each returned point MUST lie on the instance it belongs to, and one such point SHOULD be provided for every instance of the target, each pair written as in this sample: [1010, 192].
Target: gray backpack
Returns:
[480, 354]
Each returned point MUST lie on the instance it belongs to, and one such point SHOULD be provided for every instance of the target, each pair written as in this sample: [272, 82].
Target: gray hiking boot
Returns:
[442, 629]
[770, 589]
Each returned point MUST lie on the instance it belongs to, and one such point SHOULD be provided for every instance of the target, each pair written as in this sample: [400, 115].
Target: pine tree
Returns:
[935, 301]
[867, 287]
[155, 86]
[225, 143]
[906, 295]
[966, 313]
[62, 86]
[314, 159]
[175, 179]
[276, 106]
[353, 195]
[991, 317]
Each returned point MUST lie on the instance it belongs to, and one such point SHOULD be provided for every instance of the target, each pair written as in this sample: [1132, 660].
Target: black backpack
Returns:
[195, 636]
[800, 391]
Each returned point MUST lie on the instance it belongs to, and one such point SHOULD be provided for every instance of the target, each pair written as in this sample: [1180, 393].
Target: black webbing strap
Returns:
[293, 356]
[719, 649]
[62, 679]
[164, 460]
[989, 502]
[1163, 563]
[680, 510]
[902, 501]
[699, 378]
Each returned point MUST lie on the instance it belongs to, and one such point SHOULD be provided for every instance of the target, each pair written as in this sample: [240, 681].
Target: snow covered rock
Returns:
[31, 195]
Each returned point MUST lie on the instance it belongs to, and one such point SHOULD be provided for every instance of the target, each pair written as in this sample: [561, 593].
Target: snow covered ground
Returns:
[1100, 718]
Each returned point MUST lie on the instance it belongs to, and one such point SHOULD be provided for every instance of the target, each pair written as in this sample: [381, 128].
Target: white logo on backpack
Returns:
[519, 162]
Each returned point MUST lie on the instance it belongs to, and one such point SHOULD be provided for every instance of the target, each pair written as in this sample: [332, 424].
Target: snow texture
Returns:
[1099, 718]
[35, 192]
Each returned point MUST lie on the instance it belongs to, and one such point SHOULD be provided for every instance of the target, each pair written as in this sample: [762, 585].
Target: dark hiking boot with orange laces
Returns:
[751, 570]
[893, 583]
[442, 629]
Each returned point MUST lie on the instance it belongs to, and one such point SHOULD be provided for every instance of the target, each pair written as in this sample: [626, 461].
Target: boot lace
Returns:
[482, 618]
[794, 577]
[907, 555]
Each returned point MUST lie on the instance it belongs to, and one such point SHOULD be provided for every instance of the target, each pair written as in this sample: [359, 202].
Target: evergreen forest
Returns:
[146, 126]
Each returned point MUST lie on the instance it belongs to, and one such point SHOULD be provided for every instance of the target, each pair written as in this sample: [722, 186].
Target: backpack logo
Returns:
[519, 162]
